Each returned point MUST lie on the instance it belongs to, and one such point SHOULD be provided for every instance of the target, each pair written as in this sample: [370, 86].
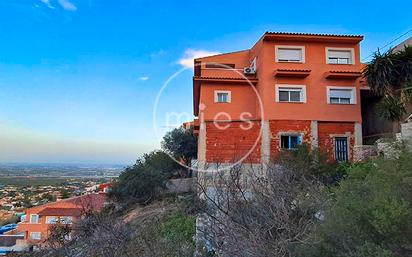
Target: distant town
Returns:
[26, 185]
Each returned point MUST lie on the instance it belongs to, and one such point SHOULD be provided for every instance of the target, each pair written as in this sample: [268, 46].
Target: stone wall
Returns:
[181, 186]
[364, 152]
[406, 133]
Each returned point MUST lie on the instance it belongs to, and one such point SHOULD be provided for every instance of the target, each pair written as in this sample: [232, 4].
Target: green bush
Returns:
[179, 227]
[372, 212]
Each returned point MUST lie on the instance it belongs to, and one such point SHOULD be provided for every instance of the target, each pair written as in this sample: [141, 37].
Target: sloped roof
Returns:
[50, 211]
[89, 202]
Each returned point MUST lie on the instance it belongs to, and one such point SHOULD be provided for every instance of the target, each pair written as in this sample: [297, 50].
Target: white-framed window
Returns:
[340, 55]
[222, 96]
[290, 93]
[51, 220]
[34, 218]
[35, 235]
[290, 54]
[290, 142]
[66, 220]
[341, 95]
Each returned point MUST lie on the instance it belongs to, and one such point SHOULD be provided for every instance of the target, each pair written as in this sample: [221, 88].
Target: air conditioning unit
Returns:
[249, 71]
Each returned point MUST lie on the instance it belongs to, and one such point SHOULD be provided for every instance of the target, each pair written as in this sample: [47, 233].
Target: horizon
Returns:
[79, 79]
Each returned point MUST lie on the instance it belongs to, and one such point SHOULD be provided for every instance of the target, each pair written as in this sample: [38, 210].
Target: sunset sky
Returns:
[79, 78]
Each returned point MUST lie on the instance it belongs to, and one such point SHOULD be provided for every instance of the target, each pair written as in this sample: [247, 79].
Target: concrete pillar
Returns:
[314, 134]
[406, 132]
[201, 147]
[358, 133]
[265, 139]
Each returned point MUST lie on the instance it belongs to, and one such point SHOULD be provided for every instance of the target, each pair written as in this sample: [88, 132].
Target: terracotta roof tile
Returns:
[50, 211]
[87, 202]
[344, 71]
[196, 77]
[294, 70]
[310, 34]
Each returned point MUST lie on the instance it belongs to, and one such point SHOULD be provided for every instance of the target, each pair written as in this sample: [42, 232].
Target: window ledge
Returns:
[291, 102]
[290, 62]
[342, 104]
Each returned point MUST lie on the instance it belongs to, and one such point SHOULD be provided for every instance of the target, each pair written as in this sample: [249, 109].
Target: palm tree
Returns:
[389, 75]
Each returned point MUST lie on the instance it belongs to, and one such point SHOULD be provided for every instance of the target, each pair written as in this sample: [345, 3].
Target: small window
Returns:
[291, 94]
[35, 235]
[290, 54]
[341, 96]
[337, 56]
[222, 97]
[290, 141]
[51, 220]
[66, 220]
[34, 218]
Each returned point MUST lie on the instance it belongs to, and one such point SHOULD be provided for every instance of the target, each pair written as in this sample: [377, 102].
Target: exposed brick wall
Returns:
[231, 144]
[328, 130]
[287, 126]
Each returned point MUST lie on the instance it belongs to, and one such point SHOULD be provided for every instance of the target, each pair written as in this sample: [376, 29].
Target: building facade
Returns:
[288, 89]
[37, 220]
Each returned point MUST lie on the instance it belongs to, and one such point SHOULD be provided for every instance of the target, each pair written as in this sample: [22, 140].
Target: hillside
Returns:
[163, 228]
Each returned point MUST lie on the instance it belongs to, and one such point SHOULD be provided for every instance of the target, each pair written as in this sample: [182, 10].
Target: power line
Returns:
[407, 32]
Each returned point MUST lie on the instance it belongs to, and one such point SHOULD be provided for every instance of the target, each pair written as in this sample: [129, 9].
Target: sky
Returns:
[79, 79]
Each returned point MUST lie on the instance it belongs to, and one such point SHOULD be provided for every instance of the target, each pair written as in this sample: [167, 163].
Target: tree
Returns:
[64, 193]
[58, 235]
[372, 213]
[146, 179]
[181, 143]
[389, 75]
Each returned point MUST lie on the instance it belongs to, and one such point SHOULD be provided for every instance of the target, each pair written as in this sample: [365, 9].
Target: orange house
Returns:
[288, 89]
[35, 225]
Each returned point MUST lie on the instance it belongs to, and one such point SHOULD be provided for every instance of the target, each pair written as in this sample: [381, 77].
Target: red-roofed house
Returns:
[105, 187]
[38, 219]
[288, 89]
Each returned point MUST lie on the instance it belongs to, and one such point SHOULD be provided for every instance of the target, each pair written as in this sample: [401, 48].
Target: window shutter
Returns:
[340, 54]
[289, 54]
[340, 93]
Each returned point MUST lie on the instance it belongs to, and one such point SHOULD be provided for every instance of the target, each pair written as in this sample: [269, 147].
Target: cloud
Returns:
[47, 3]
[144, 78]
[191, 54]
[67, 5]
